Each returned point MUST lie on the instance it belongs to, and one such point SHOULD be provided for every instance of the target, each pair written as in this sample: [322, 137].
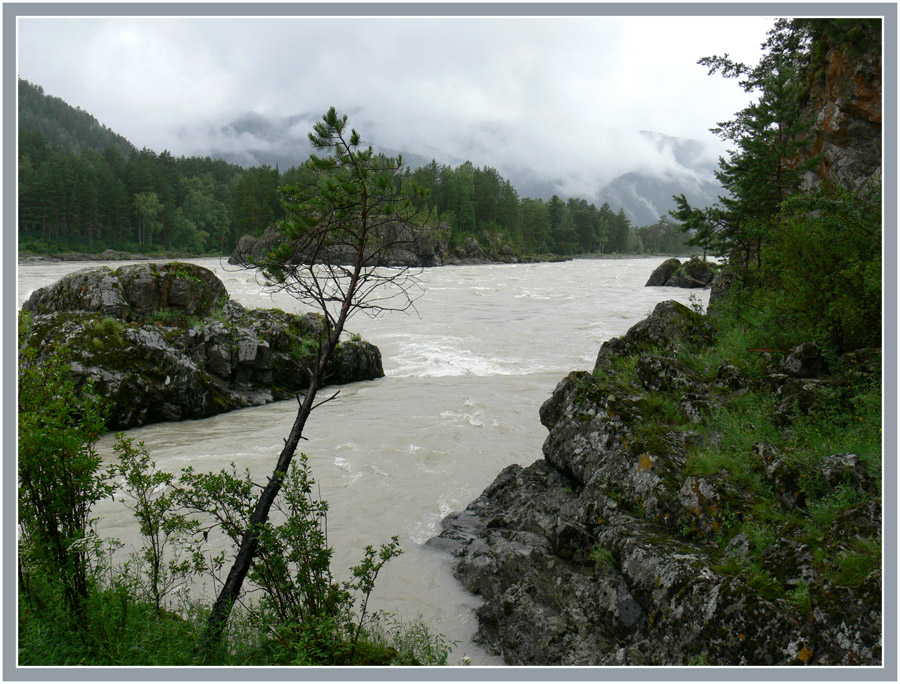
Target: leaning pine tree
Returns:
[351, 211]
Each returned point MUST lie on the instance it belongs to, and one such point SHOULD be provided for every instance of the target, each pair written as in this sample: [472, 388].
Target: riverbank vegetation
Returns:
[805, 265]
[82, 600]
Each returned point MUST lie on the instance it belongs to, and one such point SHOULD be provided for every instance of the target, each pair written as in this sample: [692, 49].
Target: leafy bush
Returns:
[826, 267]
[59, 475]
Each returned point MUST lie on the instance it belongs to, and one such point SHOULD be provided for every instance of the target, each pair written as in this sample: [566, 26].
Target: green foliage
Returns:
[305, 347]
[825, 270]
[59, 475]
[855, 564]
[799, 598]
[167, 315]
[603, 557]
[309, 616]
[771, 150]
[701, 660]
[164, 563]
[409, 643]
[662, 237]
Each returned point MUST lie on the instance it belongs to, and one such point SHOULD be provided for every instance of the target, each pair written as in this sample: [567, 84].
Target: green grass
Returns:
[855, 564]
[124, 631]
[603, 557]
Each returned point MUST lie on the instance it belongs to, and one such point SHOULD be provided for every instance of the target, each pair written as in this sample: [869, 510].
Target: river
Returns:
[464, 377]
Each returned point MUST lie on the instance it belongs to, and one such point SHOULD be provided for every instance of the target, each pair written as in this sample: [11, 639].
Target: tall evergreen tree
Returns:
[770, 151]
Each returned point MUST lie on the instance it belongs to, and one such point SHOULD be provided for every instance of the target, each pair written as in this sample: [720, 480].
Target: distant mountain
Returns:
[62, 124]
[647, 195]
[254, 140]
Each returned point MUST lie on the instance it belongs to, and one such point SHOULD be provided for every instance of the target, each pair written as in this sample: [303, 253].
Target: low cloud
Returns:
[562, 98]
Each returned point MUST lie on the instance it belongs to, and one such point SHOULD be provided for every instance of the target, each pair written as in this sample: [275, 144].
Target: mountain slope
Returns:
[62, 124]
[646, 195]
[256, 140]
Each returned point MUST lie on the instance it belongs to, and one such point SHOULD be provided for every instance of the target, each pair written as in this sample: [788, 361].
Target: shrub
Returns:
[59, 475]
[826, 264]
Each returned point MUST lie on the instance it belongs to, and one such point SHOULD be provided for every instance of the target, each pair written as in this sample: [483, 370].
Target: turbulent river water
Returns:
[465, 376]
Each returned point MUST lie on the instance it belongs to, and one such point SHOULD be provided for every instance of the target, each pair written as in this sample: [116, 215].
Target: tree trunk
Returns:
[215, 625]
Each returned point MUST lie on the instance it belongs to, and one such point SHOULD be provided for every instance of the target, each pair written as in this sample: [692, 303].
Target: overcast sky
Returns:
[572, 93]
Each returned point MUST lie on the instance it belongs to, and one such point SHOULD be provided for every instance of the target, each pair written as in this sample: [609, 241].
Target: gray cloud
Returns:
[564, 96]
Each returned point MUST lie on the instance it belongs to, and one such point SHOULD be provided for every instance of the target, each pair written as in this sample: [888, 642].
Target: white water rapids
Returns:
[464, 381]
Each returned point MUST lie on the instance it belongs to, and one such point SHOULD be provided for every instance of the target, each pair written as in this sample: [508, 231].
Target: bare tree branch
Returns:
[342, 229]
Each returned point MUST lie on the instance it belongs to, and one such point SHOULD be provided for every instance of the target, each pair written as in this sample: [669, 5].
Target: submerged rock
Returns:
[164, 342]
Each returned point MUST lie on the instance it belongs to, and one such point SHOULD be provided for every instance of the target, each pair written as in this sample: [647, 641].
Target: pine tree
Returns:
[770, 151]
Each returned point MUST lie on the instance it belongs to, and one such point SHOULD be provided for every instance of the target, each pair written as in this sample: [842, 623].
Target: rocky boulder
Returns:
[719, 289]
[673, 273]
[670, 326]
[846, 104]
[164, 342]
[132, 292]
[663, 272]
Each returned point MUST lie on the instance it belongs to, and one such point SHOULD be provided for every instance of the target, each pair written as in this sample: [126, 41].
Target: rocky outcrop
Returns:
[610, 551]
[409, 246]
[845, 105]
[663, 272]
[164, 342]
[412, 247]
[673, 273]
[720, 289]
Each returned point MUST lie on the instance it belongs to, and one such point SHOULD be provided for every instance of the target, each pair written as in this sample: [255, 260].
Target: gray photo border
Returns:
[12, 11]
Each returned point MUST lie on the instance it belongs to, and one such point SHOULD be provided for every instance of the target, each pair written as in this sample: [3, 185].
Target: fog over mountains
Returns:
[666, 165]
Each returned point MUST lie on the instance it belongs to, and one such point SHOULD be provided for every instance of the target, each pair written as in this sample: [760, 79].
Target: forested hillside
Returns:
[61, 124]
[84, 188]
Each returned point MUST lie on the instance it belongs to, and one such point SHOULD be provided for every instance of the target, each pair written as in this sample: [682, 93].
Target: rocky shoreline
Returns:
[418, 248]
[607, 552]
[164, 342]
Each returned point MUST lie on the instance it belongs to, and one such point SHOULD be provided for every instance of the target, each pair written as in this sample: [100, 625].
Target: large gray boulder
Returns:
[164, 342]
[672, 325]
[131, 292]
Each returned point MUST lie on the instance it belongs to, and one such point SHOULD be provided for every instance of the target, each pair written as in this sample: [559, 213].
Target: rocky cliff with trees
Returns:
[710, 493]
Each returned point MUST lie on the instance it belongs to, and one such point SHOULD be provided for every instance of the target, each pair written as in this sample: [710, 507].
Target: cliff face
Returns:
[613, 550]
[845, 103]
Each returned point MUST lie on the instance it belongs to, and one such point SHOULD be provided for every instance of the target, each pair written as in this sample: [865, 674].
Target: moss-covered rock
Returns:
[694, 273]
[663, 272]
[132, 292]
[164, 342]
